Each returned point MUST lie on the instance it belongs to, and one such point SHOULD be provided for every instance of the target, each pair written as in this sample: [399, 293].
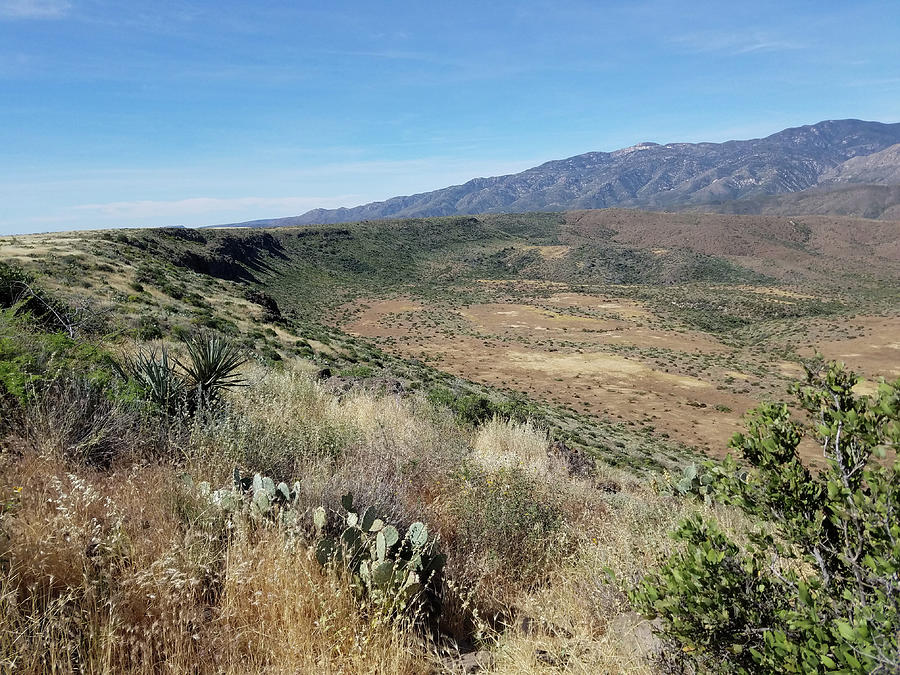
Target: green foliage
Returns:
[718, 603]
[148, 328]
[395, 573]
[697, 480]
[18, 371]
[174, 386]
[20, 294]
[360, 371]
[211, 366]
[154, 374]
[822, 592]
[30, 358]
[469, 408]
[477, 409]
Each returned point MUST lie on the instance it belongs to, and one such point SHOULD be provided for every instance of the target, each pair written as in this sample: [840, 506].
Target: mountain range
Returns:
[845, 167]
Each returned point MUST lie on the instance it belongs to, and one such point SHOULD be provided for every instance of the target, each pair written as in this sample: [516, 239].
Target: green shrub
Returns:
[477, 409]
[821, 593]
[361, 371]
[149, 328]
[31, 358]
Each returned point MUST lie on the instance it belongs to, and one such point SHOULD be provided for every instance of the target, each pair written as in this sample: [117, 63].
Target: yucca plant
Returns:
[211, 367]
[154, 372]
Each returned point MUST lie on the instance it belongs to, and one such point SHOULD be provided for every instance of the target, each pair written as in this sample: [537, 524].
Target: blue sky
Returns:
[145, 113]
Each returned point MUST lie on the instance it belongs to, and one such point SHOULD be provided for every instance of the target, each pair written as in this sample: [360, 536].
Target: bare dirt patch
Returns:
[874, 353]
[553, 252]
[377, 318]
[547, 352]
[776, 291]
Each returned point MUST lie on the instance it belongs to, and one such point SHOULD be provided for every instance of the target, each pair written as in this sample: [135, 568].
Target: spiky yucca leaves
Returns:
[154, 372]
[211, 367]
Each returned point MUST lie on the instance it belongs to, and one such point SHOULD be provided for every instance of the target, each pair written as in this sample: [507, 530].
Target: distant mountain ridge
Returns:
[674, 176]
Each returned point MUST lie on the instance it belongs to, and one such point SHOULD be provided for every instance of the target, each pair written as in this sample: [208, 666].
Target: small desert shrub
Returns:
[509, 527]
[75, 419]
[404, 453]
[22, 297]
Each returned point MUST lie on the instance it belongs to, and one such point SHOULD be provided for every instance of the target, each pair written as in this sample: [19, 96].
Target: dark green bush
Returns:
[476, 409]
[149, 328]
[361, 371]
[817, 589]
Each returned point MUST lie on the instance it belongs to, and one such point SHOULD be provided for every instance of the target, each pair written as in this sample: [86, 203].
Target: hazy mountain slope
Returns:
[866, 186]
[645, 175]
[863, 201]
[880, 168]
[808, 247]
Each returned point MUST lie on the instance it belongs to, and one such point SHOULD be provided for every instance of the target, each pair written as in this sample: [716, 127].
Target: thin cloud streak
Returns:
[34, 9]
[199, 206]
[735, 43]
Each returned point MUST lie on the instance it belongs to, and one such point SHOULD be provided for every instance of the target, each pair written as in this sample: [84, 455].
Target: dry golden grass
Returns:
[104, 573]
[128, 568]
[500, 443]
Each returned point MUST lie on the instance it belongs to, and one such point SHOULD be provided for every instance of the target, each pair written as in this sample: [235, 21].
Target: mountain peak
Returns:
[646, 145]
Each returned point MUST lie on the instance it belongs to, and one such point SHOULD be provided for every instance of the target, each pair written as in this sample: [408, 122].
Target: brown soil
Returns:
[875, 353]
[516, 345]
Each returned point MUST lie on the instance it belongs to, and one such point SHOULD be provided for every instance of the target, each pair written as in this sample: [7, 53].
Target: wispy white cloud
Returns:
[34, 9]
[736, 42]
[192, 208]
[890, 82]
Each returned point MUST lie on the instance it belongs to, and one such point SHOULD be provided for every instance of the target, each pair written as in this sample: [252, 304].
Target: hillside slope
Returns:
[643, 317]
[880, 168]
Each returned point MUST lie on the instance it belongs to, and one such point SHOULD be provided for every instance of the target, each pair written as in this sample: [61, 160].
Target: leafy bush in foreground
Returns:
[821, 593]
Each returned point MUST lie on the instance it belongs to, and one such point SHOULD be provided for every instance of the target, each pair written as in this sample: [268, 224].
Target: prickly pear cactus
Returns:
[394, 572]
[257, 497]
[697, 481]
